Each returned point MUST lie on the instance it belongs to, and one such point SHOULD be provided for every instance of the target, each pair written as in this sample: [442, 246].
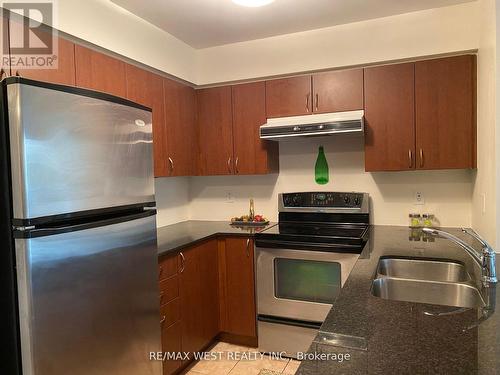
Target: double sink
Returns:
[437, 282]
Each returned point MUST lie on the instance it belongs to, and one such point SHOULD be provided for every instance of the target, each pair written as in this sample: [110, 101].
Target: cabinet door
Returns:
[445, 113]
[64, 73]
[338, 91]
[252, 155]
[288, 97]
[180, 115]
[199, 296]
[100, 72]
[215, 131]
[146, 88]
[389, 118]
[240, 287]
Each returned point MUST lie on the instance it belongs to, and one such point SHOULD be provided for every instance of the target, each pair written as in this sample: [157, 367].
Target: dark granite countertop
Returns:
[172, 238]
[392, 337]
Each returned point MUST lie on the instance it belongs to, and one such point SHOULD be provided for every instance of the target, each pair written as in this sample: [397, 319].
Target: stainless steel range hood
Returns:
[313, 125]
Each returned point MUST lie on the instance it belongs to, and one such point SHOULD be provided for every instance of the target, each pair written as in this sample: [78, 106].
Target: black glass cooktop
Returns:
[348, 237]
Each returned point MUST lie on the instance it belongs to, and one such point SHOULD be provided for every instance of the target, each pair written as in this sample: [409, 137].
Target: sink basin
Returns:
[421, 269]
[431, 292]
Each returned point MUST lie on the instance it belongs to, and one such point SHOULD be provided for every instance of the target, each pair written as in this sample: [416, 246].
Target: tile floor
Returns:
[251, 364]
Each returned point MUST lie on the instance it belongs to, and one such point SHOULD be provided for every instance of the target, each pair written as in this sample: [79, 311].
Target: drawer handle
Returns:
[163, 319]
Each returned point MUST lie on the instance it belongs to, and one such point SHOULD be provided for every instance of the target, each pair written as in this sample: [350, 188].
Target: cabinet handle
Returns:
[163, 319]
[229, 165]
[160, 272]
[410, 158]
[248, 248]
[183, 262]
[421, 158]
[161, 297]
[18, 74]
[317, 101]
[307, 102]
[236, 164]
[171, 163]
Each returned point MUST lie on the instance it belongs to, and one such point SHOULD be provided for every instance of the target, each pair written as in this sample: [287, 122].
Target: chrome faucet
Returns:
[485, 259]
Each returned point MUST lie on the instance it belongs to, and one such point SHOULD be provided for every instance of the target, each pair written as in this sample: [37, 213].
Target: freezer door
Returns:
[71, 152]
[88, 301]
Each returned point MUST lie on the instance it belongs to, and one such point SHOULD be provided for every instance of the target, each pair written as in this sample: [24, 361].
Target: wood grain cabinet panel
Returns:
[180, 116]
[171, 340]
[63, 74]
[251, 154]
[445, 112]
[338, 91]
[215, 131]
[146, 88]
[97, 71]
[239, 301]
[389, 118]
[199, 296]
[289, 96]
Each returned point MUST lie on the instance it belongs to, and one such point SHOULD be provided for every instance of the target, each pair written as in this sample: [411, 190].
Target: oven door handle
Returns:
[289, 322]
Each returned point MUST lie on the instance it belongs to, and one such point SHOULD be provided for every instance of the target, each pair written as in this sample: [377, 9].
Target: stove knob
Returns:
[347, 200]
[296, 200]
[357, 201]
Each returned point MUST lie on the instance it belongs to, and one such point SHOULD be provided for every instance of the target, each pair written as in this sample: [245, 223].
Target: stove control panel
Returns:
[333, 200]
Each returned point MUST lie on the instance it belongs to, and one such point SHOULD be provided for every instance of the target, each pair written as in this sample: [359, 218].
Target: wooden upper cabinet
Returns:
[64, 70]
[389, 118]
[215, 134]
[338, 91]
[146, 88]
[445, 113]
[252, 155]
[97, 71]
[289, 96]
[240, 314]
[180, 115]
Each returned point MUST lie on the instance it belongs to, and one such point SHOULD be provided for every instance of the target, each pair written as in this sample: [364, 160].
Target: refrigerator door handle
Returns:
[33, 232]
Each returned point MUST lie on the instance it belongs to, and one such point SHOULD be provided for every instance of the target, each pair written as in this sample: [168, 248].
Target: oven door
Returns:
[300, 284]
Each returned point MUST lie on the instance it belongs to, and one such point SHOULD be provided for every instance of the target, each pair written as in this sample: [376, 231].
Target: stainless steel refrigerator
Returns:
[78, 263]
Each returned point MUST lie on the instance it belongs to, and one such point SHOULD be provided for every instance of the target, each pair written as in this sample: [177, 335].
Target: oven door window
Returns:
[306, 280]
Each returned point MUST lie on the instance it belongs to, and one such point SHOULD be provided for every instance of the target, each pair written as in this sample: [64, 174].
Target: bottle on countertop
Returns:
[252, 210]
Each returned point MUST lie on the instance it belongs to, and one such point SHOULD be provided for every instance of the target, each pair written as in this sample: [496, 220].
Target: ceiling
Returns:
[208, 23]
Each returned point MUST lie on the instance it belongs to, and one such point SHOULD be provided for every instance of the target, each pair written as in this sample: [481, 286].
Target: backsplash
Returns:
[447, 194]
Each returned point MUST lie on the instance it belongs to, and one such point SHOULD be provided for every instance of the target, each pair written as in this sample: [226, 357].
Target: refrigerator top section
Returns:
[75, 90]
[75, 153]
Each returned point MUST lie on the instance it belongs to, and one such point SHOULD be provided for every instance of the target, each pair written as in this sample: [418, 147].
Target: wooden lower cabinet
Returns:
[210, 295]
[199, 295]
[238, 311]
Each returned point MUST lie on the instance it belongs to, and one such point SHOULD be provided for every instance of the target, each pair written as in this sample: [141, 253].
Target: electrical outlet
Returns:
[419, 198]
[229, 197]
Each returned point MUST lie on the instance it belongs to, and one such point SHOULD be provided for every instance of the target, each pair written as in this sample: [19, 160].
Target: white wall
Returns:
[484, 215]
[172, 200]
[447, 193]
[107, 25]
[422, 33]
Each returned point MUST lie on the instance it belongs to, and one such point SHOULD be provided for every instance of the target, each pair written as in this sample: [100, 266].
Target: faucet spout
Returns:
[485, 259]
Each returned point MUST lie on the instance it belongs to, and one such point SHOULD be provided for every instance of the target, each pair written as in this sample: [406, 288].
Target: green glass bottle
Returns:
[321, 168]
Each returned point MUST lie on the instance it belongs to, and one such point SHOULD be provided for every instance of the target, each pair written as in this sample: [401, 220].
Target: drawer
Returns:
[171, 342]
[169, 289]
[170, 313]
[168, 267]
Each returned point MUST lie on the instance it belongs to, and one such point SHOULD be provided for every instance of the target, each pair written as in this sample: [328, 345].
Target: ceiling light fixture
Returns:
[252, 3]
